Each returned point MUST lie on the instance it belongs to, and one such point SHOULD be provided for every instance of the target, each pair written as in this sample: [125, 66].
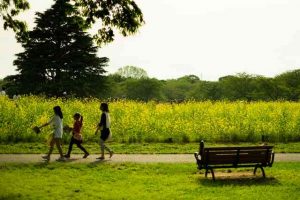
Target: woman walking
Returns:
[56, 138]
[104, 126]
[77, 137]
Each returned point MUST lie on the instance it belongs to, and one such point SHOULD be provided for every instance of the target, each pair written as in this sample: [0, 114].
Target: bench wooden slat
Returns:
[236, 157]
[235, 148]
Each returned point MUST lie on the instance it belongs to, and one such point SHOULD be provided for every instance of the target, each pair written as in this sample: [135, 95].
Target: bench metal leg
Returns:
[262, 170]
[212, 173]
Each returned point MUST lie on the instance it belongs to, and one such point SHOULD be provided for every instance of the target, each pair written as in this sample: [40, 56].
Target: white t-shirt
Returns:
[57, 124]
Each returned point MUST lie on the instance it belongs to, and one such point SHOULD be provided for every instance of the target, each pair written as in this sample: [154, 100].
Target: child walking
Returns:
[104, 126]
[56, 138]
[77, 137]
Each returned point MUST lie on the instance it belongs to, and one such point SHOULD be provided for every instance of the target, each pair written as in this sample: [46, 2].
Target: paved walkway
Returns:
[136, 158]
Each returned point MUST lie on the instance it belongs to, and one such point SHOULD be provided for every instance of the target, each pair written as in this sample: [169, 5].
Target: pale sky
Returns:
[207, 38]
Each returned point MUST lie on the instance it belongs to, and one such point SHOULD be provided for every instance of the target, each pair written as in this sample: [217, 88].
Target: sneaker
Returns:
[46, 157]
[86, 155]
[100, 158]
[111, 154]
[67, 156]
[61, 159]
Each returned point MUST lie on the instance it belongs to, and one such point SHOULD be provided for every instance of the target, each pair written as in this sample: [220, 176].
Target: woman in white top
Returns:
[57, 123]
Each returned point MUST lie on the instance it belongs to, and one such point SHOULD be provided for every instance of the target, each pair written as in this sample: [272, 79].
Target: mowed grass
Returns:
[101, 180]
[138, 148]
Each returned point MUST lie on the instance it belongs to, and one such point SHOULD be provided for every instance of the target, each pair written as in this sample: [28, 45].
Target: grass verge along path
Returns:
[138, 148]
[144, 181]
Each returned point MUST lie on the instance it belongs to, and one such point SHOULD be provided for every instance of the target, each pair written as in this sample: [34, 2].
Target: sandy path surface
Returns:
[136, 158]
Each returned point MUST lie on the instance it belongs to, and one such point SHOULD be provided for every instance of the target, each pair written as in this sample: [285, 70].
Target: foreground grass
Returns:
[144, 148]
[142, 181]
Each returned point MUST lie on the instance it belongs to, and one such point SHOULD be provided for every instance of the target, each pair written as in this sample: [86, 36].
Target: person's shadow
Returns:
[97, 162]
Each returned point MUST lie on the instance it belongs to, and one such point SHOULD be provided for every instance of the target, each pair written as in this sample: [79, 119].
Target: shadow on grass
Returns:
[238, 181]
[97, 162]
[68, 160]
[10, 196]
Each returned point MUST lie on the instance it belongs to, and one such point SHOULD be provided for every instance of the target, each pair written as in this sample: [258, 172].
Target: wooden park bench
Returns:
[234, 157]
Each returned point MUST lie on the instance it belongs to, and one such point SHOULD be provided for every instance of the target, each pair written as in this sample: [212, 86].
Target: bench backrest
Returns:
[237, 155]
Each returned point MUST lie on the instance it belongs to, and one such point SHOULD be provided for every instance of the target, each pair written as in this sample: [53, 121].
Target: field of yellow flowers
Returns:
[156, 122]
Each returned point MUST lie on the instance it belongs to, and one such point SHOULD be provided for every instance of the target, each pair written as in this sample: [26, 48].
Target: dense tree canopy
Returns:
[241, 86]
[59, 57]
[123, 15]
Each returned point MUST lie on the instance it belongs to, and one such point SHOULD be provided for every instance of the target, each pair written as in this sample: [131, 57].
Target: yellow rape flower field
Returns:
[134, 121]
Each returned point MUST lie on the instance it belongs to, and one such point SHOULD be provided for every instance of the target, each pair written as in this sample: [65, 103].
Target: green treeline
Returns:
[242, 86]
[285, 86]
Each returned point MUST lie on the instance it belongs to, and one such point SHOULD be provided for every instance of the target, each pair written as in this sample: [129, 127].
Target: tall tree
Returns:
[289, 82]
[143, 89]
[239, 87]
[122, 15]
[132, 72]
[59, 56]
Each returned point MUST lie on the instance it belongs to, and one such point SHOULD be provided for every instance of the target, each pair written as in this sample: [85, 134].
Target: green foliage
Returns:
[289, 83]
[123, 15]
[177, 89]
[234, 87]
[2, 82]
[59, 57]
[144, 89]
[104, 180]
[9, 9]
[132, 72]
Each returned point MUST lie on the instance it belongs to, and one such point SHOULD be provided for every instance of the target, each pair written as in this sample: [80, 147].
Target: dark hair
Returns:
[57, 111]
[78, 116]
[104, 107]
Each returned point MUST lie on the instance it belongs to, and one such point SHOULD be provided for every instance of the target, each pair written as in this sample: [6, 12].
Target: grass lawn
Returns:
[101, 180]
[146, 148]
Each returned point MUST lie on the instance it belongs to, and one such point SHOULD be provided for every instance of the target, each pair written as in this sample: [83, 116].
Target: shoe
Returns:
[61, 159]
[67, 156]
[100, 158]
[46, 157]
[86, 155]
[111, 154]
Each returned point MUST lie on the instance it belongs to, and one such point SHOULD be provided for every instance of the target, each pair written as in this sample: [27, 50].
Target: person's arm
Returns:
[102, 122]
[97, 129]
[47, 123]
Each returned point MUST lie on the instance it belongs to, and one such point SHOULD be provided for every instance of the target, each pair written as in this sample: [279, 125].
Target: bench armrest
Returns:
[198, 160]
[272, 158]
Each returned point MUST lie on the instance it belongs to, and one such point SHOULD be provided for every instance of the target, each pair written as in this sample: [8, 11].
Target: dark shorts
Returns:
[104, 134]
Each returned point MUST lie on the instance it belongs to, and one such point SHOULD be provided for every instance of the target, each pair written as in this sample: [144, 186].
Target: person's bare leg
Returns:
[47, 157]
[111, 153]
[58, 145]
[102, 146]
